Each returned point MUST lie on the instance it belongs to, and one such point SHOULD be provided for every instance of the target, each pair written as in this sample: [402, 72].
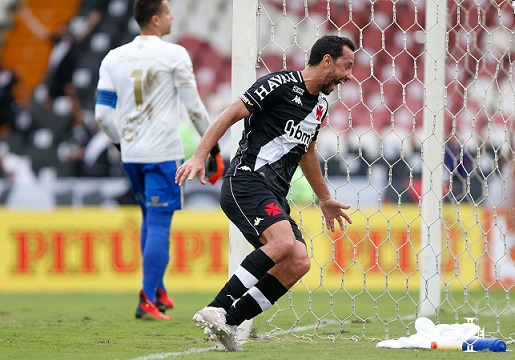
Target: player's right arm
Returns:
[196, 164]
[105, 106]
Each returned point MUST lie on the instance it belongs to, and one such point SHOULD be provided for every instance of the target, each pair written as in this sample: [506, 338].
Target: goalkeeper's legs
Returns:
[156, 253]
[158, 196]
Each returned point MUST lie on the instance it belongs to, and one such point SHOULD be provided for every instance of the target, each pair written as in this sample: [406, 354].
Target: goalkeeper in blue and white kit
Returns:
[141, 87]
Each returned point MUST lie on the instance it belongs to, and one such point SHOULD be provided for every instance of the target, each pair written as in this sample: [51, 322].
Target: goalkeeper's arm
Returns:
[196, 109]
[200, 118]
[107, 120]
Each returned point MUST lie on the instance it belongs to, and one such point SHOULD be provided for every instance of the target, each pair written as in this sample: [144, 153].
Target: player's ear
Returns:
[327, 60]
[155, 21]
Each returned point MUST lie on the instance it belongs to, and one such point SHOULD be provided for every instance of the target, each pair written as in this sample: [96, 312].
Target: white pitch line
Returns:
[202, 350]
[175, 354]
[300, 328]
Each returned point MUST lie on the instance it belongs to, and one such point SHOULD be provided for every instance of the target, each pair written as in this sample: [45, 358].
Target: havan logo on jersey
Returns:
[273, 83]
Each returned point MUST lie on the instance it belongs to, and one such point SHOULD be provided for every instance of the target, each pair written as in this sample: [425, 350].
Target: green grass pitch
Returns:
[102, 326]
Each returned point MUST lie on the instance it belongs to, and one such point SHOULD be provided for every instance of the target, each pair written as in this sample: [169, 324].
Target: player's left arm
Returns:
[331, 208]
[105, 106]
[106, 119]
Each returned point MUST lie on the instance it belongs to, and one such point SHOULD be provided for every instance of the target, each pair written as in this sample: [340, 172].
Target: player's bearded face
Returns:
[340, 72]
[330, 83]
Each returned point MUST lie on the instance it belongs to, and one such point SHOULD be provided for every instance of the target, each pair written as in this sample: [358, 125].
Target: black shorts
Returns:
[252, 206]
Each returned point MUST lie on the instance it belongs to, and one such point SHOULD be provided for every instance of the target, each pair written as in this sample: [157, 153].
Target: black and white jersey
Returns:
[284, 119]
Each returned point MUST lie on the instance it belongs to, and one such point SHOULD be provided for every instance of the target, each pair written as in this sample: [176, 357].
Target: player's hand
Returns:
[334, 210]
[187, 171]
[215, 166]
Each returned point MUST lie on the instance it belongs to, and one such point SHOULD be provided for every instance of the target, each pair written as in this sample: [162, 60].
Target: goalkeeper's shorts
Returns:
[252, 206]
[154, 187]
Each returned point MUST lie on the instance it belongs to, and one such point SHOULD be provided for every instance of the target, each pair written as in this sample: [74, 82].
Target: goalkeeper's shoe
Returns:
[163, 302]
[148, 310]
[212, 320]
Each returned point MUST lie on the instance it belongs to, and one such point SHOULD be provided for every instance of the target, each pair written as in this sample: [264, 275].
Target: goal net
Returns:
[420, 143]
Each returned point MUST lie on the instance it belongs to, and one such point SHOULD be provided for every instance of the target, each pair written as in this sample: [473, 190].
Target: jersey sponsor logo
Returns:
[273, 209]
[297, 100]
[295, 132]
[298, 90]
[273, 83]
[257, 221]
[246, 100]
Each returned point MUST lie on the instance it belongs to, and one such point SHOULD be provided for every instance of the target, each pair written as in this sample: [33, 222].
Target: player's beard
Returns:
[326, 87]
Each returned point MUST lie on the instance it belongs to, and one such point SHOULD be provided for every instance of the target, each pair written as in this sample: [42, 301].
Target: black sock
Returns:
[251, 269]
[259, 298]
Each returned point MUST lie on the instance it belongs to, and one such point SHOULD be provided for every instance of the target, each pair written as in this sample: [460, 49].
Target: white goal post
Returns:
[243, 75]
[432, 156]
[420, 143]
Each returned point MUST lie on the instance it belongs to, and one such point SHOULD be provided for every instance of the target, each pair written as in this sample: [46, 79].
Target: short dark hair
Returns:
[143, 10]
[331, 45]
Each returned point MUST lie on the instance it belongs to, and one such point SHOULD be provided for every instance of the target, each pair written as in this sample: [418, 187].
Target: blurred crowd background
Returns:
[370, 145]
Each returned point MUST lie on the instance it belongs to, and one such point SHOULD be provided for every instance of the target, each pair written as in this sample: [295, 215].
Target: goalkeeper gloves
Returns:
[215, 165]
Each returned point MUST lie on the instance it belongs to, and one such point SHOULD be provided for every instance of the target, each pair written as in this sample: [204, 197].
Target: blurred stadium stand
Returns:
[357, 129]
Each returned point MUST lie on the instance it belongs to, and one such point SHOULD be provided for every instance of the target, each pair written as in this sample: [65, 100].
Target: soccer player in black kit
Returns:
[282, 112]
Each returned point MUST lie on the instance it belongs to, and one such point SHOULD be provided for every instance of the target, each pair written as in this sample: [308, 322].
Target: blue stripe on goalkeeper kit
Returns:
[108, 98]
